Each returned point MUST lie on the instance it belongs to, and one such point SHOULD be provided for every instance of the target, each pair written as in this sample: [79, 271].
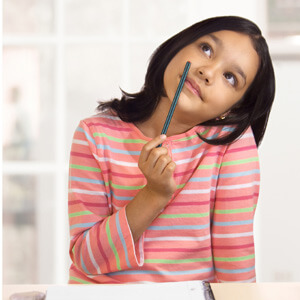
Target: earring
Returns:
[222, 117]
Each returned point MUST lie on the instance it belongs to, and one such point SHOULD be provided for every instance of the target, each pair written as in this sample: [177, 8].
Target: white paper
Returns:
[190, 290]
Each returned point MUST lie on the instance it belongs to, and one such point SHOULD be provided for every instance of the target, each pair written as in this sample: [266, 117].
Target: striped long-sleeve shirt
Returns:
[204, 233]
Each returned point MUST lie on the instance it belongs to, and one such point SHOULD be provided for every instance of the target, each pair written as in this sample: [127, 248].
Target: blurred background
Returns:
[61, 56]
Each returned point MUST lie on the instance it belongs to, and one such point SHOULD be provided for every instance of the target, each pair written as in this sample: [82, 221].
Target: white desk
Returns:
[222, 291]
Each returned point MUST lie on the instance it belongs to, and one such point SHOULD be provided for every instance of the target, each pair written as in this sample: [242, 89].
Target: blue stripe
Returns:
[121, 198]
[86, 135]
[83, 265]
[82, 225]
[80, 179]
[122, 239]
[115, 150]
[239, 174]
[138, 272]
[203, 179]
[233, 223]
[236, 271]
[230, 129]
[187, 148]
[178, 227]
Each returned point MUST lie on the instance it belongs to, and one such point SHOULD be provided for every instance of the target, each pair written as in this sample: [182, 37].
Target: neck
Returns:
[154, 125]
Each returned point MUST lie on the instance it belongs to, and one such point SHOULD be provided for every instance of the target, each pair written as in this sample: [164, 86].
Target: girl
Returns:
[183, 211]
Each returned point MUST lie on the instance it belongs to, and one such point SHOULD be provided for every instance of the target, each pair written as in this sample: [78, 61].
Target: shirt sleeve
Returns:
[235, 203]
[101, 241]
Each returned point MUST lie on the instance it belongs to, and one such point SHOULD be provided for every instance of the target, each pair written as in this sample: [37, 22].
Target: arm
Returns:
[102, 241]
[235, 203]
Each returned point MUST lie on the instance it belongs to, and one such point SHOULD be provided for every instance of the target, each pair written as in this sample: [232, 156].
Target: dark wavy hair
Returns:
[252, 109]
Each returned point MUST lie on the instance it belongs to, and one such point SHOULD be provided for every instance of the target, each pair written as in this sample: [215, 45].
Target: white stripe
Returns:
[87, 192]
[80, 142]
[117, 207]
[197, 191]
[231, 235]
[178, 238]
[238, 186]
[247, 135]
[110, 117]
[185, 161]
[91, 253]
[116, 162]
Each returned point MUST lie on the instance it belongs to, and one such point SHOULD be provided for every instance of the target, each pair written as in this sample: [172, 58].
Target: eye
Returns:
[206, 49]
[231, 78]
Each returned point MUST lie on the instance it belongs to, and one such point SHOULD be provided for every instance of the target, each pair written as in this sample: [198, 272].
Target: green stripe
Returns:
[186, 138]
[170, 216]
[206, 167]
[234, 211]
[230, 259]
[133, 141]
[177, 261]
[179, 186]
[80, 213]
[79, 280]
[204, 132]
[111, 243]
[85, 168]
[240, 161]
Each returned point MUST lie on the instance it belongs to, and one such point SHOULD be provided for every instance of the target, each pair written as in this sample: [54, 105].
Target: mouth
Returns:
[193, 87]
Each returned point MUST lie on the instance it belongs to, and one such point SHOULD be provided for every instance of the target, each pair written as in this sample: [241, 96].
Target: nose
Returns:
[208, 73]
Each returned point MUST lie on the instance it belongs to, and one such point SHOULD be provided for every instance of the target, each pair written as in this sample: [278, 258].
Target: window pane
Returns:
[160, 18]
[284, 17]
[28, 16]
[139, 58]
[28, 103]
[95, 76]
[93, 17]
[28, 213]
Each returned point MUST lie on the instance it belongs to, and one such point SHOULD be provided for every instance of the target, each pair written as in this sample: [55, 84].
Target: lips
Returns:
[193, 86]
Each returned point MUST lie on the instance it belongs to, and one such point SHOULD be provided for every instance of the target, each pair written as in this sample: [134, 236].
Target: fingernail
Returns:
[163, 136]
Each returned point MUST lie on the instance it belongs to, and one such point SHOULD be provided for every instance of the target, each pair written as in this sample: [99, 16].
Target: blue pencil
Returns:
[175, 99]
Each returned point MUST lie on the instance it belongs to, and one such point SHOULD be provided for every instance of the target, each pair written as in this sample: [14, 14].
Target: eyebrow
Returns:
[236, 67]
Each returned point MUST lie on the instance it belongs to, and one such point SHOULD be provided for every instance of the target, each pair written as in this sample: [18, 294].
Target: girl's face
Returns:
[223, 65]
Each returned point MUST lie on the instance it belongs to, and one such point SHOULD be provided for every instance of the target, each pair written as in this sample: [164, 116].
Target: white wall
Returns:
[278, 228]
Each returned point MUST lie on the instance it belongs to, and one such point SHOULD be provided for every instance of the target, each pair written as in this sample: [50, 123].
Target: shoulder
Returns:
[104, 122]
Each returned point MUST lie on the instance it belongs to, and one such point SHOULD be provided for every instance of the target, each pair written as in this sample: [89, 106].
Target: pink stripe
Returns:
[183, 173]
[189, 203]
[123, 175]
[234, 247]
[242, 149]
[74, 202]
[247, 197]
[176, 249]
[101, 250]
[81, 155]
[214, 154]
[110, 127]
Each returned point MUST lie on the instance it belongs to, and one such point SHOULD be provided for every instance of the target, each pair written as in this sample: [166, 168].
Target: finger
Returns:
[161, 164]
[151, 145]
[169, 169]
